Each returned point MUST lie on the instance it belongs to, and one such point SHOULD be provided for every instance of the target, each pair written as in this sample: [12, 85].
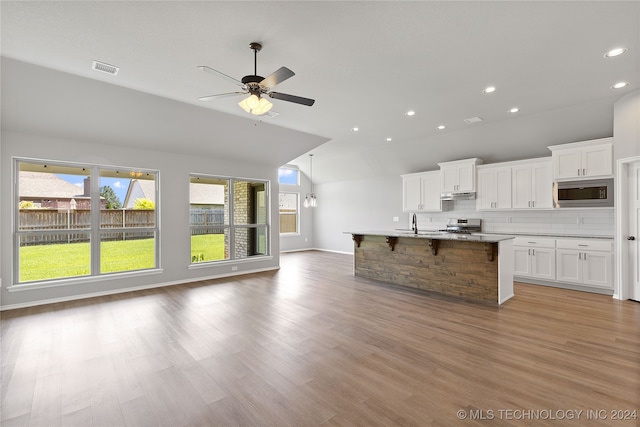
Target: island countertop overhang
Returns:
[436, 235]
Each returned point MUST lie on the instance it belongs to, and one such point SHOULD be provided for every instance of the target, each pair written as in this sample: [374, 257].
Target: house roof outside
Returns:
[199, 194]
[47, 185]
[206, 194]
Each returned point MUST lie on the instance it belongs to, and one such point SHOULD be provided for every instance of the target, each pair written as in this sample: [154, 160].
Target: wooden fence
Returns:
[288, 221]
[75, 224]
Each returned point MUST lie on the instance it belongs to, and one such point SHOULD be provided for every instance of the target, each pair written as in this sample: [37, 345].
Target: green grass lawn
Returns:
[54, 261]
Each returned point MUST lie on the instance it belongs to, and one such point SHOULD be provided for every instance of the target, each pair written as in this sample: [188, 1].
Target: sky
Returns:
[118, 185]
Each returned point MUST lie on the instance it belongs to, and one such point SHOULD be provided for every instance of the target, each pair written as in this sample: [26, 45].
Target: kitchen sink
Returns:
[420, 233]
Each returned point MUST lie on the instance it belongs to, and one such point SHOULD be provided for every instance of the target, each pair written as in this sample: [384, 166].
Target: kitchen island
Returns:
[476, 267]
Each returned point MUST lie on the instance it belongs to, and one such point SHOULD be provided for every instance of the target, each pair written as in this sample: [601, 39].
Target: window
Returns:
[289, 175]
[288, 205]
[228, 218]
[71, 223]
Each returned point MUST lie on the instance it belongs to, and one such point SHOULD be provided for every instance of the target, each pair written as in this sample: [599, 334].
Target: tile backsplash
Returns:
[581, 222]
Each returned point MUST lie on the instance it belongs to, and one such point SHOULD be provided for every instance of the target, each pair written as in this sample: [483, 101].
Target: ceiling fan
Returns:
[256, 86]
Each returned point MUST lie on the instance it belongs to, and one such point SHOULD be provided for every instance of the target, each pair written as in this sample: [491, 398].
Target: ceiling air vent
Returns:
[473, 120]
[105, 68]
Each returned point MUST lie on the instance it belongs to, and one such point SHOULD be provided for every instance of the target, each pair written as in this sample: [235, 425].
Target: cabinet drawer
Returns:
[585, 245]
[535, 242]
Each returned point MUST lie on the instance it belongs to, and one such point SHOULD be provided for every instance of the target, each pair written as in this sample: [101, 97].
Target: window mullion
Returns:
[232, 228]
[95, 221]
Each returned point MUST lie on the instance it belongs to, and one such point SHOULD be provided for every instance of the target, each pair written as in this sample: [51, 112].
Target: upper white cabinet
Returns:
[494, 187]
[421, 192]
[531, 185]
[459, 176]
[583, 160]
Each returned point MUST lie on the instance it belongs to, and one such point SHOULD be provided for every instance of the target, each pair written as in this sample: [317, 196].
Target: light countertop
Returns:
[437, 235]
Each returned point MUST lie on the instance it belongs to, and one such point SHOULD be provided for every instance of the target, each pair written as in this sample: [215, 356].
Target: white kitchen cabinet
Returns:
[585, 262]
[535, 258]
[421, 192]
[583, 160]
[459, 176]
[532, 185]
[494, 188]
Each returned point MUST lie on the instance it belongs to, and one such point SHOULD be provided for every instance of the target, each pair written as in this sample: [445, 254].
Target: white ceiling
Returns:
[365, 63]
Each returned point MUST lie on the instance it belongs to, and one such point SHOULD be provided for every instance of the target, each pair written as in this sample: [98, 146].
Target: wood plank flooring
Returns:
[312, 345]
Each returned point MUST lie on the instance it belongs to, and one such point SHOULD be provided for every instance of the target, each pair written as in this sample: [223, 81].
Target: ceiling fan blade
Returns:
[219, 74]
[220, 95]
[278, 76]
[292, 98]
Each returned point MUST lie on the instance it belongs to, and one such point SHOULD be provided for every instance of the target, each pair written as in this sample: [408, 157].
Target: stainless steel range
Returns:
[463, 225]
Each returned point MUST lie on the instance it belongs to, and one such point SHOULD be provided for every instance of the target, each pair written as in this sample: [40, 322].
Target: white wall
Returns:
[359, 205]
[174, 212]
[626, 126]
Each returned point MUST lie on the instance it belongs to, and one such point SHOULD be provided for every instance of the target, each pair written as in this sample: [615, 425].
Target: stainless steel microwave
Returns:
[592, 193]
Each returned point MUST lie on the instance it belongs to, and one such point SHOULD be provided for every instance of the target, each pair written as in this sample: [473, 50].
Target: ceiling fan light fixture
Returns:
[263, 107]
[255, 105]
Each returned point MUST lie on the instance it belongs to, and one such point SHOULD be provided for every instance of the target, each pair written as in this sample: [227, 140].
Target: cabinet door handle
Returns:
[585, 256]
[533, 204]
[584, 246]
[578, 172]
[579, 255]
[533, 252]
[584, 172]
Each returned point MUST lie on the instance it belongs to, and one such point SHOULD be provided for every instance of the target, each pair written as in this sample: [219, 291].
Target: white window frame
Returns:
[94, 231]
[231, 226]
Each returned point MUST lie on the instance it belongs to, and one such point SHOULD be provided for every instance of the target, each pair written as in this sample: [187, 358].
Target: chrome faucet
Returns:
[414, 224]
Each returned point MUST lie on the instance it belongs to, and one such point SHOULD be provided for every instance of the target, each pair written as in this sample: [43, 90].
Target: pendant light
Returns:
[310, 199]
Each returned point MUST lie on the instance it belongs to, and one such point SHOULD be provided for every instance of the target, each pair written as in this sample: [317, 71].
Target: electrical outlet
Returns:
[234, 268]
[396, 219]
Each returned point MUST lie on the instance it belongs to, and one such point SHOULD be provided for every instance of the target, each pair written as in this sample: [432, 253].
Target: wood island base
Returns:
[471, 270]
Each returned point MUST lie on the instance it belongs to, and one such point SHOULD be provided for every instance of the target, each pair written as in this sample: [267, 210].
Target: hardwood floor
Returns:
[313, 345]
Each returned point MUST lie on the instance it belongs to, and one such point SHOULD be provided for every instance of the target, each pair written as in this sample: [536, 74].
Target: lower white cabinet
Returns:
[534, 258]
[585, 262]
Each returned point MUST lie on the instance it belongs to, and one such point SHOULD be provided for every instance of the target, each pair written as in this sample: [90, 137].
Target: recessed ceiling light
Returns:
[619, 85]
[355, 129]
[489, 89]
[411, 113]
[389, 139]
[441, 127]
[514, 110]
[615, 52]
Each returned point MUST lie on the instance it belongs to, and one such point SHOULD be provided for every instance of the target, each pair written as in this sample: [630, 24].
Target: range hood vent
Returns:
[458, 196]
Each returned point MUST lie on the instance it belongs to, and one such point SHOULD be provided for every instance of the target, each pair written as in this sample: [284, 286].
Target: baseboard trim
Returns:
[563, 285]
[316, 249]
[131, 289]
